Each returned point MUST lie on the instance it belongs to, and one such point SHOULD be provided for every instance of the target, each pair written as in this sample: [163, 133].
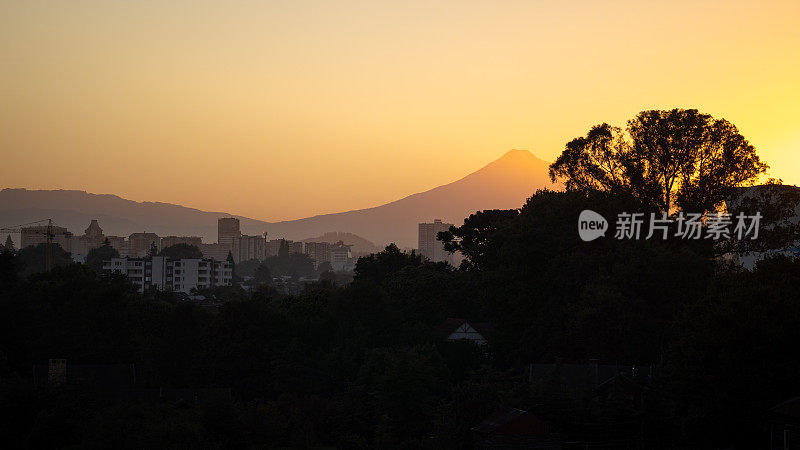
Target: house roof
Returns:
[789, 408]
[451, 324]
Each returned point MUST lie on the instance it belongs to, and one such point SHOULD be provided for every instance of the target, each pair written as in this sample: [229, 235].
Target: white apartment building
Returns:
[180, 275]
[341, 257]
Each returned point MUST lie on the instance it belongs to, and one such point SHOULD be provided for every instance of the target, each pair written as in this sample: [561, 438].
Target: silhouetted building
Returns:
[119, 243]
[38, 235]
[229, 234]
[242, 247]
[295, 247]
[139, 244]
[429, 246]
[341, 258]
[252, 247]
[93, 233]
[274, 246]
[318, 251]
[218, 252]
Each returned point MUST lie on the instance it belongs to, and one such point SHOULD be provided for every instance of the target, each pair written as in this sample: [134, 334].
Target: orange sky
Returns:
[284, 109]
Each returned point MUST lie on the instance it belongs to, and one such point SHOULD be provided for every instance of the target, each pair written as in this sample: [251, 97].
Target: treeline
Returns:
[365, 365]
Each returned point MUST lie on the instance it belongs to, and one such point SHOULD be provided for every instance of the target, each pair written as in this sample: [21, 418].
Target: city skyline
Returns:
[273, 98]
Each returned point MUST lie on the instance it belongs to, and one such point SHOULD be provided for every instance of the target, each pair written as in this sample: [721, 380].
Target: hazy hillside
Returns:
[360, 245]
[504, 183]
[117, 216]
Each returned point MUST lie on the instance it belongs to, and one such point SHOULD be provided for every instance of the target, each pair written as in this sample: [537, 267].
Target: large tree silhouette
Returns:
[677, 158]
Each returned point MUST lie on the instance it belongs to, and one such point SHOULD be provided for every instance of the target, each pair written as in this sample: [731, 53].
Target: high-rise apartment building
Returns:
[295, 247]
[429, 246]
[318, 251]
[38, 235]
[274, 246]
[139, 244]
[119, 243]
[252, 247]
[241, 246]
[229, 234]
[92, 238]
[341, 258]
[217, 252]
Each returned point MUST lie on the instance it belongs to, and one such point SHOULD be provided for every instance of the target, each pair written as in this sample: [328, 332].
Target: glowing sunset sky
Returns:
[279, 110]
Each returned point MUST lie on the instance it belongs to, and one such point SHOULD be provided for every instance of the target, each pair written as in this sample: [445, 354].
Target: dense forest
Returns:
[365, 365]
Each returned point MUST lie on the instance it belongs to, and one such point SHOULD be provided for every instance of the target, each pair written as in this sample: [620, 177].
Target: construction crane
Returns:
[49, 235]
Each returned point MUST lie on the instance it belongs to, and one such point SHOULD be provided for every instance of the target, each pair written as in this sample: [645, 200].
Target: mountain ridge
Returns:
[502, 184]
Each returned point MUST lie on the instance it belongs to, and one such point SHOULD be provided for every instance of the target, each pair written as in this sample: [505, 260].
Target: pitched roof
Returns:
[451, 324]
[789, 408]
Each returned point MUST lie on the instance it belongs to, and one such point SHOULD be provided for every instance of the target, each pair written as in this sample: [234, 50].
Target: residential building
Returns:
[139, 244]
[92, 238]
[252, 247]
[119, 243]
[163, 273]
[274, 246]
[318, 251]
[36, 235]
[429, 246]
[229, 234]
[295, 247]
[242, 247]
[459, 329]
[341, 257]
[217, 252]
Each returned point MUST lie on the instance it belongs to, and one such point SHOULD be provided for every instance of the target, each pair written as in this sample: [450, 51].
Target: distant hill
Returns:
[360, 245]
[504, 183]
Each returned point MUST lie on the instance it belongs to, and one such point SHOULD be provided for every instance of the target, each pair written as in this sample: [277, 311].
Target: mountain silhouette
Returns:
[505, 183]
[360, 246]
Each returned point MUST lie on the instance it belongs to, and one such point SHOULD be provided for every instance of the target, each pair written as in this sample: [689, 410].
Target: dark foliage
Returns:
[181, 251]
[365, 365]
[96, 256]
[669, 158]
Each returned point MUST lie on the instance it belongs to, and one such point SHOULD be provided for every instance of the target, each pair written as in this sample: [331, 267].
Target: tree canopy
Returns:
[96, 256]
[678, 158]
[9, 244]
[181, 251]
[33, 258]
